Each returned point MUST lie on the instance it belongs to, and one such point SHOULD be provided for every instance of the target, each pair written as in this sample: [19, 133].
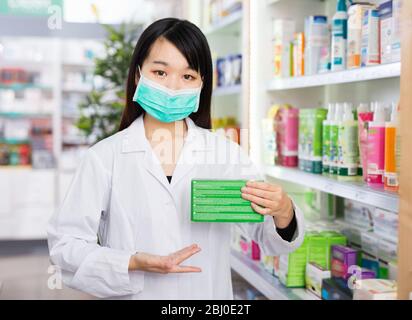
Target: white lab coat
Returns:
[121, 193]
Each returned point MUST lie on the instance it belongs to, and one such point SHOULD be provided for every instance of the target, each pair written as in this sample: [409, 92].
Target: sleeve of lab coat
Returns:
[265, 233]
[72, 237]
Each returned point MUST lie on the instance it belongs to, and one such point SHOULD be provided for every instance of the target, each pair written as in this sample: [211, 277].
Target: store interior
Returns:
[311, 89]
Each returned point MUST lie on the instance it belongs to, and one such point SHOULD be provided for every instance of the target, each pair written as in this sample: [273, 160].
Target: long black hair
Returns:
[192, 43]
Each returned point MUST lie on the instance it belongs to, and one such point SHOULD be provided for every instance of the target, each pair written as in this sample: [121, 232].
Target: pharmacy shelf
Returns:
[225, 24]
[271, 2]
[24, 86]
[78, 64]
[227, 91]
[77, 89]
[384, 71]
[16, 168]
[267, 284]
[357, 191]
[25, 115]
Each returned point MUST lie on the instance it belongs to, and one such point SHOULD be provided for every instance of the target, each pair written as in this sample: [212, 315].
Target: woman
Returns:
[124, 229]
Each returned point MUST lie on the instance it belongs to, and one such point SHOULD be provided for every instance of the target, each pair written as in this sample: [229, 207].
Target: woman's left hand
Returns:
[269, 199]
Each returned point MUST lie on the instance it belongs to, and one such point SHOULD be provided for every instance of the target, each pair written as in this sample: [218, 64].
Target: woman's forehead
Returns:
[164, 53]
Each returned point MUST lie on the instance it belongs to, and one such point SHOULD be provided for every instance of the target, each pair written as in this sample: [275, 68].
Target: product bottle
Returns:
[348, 146]
[318, 116]
[334, 139]
[376, 147]
[364, 117]
[339, 36]
[326, 139]
[303, 138]
[287, 126]
[392, 152]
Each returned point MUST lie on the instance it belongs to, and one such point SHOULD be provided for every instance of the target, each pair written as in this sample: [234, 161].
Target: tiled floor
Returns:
[24, 273]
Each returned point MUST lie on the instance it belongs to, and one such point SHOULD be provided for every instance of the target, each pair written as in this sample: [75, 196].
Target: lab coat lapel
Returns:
[193, 152]
[135, 141]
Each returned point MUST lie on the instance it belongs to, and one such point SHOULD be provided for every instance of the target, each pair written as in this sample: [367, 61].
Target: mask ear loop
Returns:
[200, 93]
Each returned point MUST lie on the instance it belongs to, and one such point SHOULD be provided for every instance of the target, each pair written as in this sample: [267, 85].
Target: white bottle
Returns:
[334, 137]
[326, 139]
[339, 36]
[348, 146]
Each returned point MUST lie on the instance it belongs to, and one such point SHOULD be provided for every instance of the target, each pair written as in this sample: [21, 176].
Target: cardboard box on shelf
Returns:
[375, 289]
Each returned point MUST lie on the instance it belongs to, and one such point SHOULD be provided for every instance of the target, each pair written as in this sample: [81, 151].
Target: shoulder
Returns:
[109, 145]
[104, 151]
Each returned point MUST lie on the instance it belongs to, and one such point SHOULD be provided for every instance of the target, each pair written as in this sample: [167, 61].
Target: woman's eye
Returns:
[188, 77]
[160, 73]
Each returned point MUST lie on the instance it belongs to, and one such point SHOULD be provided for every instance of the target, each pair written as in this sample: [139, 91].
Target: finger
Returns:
[186, 269]
[179, 258]
[260, 201]
[258, 209]
[270, 195]
[263, 185]
[186, 249]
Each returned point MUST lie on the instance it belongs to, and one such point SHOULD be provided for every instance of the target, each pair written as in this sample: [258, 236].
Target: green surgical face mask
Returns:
[164, 104]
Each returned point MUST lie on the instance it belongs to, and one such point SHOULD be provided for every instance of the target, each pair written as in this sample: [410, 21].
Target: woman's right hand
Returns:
[164, 264]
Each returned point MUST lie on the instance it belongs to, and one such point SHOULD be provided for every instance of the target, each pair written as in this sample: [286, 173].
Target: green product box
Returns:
[292, 267]
[316, 248]
[332, 238]
[221, 201]
[319, 247]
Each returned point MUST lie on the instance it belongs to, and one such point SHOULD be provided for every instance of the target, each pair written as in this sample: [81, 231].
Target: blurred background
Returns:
[63, 65]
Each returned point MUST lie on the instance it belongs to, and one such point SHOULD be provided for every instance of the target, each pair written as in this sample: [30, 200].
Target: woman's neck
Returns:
[177, 129]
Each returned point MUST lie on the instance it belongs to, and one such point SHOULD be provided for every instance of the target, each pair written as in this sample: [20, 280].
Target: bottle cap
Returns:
[331, 112]
[341, 5]
[379, 114]
[363, 108]
[348, 115]
[394, 113]
[339, 112]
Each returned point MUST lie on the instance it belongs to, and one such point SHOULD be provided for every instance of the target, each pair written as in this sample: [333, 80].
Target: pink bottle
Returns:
[287, 124]
[364, 117]
[376, 147]
[255, 254]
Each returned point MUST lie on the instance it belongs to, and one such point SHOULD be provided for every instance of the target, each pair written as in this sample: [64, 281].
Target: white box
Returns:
[386, 224]
[396, 38]
[375, 289]
[282, 35]
[370, 38]
[355, 19]
[386, 30]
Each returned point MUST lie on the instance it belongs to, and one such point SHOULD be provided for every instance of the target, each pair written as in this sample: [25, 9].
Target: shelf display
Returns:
[300, 74]
[227, 127]
[216, 10]
[359, 36]
[229, 71]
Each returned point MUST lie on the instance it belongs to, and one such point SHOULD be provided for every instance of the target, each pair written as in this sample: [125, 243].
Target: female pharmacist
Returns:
[124, 228]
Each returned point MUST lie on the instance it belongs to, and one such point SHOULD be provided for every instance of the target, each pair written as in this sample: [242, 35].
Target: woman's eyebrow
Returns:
[164, 63]
[160, 62]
